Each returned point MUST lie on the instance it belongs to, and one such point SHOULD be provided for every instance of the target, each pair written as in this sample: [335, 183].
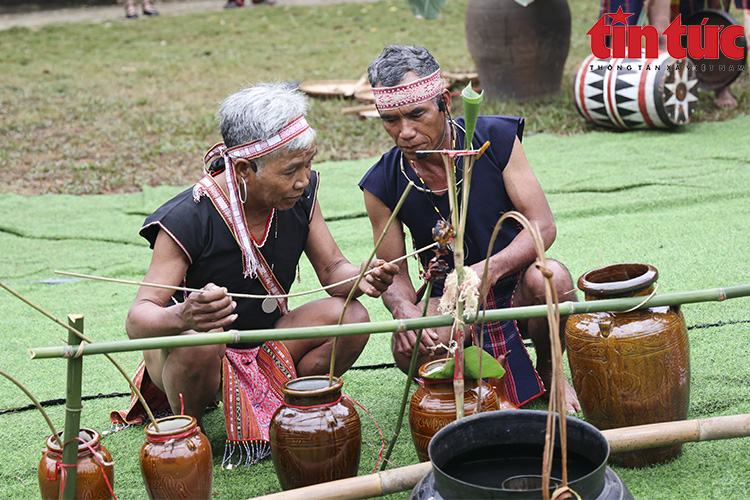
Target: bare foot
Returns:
[572, 405]
[725, 99]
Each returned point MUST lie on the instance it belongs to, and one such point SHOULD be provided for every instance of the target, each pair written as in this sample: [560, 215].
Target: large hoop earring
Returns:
[243, 199]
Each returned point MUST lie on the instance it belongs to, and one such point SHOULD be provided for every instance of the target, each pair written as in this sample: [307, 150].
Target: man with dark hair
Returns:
[415, 111]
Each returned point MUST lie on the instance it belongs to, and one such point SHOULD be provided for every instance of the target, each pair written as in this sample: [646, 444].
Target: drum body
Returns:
[627, 93]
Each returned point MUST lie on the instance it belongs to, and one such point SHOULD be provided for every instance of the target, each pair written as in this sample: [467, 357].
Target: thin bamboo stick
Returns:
[239, 295]
[409, 376]
[38, 405]
[81, 336]
[362, 274]
[458, 262]
[621, 439]
[525, 312]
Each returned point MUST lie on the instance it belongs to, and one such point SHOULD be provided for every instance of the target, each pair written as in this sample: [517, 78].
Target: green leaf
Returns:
[490, 366]
[472, 103]
[428, 9]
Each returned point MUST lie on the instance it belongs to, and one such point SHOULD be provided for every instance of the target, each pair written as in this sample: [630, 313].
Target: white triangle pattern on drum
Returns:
[626, 96]
[592, 93]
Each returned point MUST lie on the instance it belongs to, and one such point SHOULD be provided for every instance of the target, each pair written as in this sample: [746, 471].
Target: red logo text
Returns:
[700, 41]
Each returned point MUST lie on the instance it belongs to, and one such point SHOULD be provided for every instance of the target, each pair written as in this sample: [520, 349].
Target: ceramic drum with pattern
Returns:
[636, 93]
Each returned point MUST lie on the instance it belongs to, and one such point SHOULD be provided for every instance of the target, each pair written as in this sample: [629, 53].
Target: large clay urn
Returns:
[315, 435]
[629, 368]
[176, 460]
[519, 52]
[433, 405]
[94, 472]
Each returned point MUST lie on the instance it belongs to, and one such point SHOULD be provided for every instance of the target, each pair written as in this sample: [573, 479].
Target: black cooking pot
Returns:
[498, 455]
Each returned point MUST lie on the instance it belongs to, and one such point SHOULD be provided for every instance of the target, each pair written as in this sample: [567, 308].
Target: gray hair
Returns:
[390, 67]
[260, 112]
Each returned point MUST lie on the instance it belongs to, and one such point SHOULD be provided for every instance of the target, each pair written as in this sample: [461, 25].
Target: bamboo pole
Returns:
[73, 409]
[231, 337]
[621, 439]
[372, 485]
[641, 437]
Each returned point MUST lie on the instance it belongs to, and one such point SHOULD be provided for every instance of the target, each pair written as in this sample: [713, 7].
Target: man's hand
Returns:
[208, 310]
[403, 342]
[380, 277]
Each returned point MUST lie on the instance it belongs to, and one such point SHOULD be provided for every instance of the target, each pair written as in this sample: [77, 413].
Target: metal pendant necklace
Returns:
[269, 304]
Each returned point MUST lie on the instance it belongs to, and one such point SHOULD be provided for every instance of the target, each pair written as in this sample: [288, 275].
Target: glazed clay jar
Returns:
[629, 368]
[95, 472]
[176, 460]
[433, 405]
[315, 435]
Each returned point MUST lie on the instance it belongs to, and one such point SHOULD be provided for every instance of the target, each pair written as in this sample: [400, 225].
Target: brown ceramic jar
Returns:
[315, 435]
[629, 368]
[176, 460]
[433, 405]
[95, 472]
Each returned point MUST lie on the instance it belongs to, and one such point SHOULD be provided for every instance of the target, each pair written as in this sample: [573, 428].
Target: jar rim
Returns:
[618, 279]
[173, 424]
[91, 438]
[311, 386]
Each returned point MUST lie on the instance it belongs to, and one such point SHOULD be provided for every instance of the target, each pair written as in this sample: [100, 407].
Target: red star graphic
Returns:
[620, 17]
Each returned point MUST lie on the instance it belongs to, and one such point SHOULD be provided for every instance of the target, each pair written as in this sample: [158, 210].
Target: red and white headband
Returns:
[411, 93]
[260, 147]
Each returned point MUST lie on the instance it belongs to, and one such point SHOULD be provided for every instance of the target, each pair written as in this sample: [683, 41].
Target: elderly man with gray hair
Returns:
[242, 230]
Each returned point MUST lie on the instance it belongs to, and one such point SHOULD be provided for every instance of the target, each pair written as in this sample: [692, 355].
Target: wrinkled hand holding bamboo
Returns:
[362, 273]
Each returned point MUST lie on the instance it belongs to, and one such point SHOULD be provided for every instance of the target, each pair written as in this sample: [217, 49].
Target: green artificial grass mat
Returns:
[676, 200]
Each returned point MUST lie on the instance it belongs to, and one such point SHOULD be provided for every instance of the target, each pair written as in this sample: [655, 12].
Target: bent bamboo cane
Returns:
[622, 439]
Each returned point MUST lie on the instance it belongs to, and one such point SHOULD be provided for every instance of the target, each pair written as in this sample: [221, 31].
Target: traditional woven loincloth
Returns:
[251, 391]
[502, 338]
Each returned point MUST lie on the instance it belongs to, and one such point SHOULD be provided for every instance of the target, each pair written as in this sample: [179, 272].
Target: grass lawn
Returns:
[124, 111]
[676, 201]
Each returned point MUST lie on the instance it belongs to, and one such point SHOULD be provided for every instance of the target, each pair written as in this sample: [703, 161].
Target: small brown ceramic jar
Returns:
[433, 405]
[315, 435]
[176, 460]
[95, 472]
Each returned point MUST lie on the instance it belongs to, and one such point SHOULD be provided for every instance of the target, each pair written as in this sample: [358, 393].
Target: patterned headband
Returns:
[411, 93]
[261, 147]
